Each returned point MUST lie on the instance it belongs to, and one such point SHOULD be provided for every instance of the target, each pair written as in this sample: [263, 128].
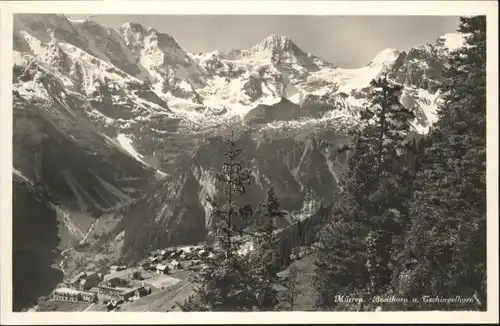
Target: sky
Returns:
[347, 41]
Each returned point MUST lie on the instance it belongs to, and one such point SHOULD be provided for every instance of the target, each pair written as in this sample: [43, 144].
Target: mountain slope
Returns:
[35, 241]
[303, 169]
[129, 119]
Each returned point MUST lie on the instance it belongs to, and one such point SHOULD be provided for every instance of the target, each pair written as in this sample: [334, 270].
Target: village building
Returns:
[89, 281]
[89, 296]
[153, 259]
[174, 265]
[66, 294]
[116, 268]
[113, 281]
[121, 293]
[133, 294]
[72, 295]
[105, 292]
[95, 290]
[161, 269]
[74, 282]
[175, 254]
[144, 265]
[83, 281]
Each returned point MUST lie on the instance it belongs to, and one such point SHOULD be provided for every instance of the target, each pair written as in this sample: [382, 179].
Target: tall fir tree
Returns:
[265, 260]
[447, 238]
[290, 291]
[390, 200]
[224, 283]
[358, 248]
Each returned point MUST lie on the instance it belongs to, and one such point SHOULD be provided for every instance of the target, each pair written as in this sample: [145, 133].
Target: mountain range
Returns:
[117, 133]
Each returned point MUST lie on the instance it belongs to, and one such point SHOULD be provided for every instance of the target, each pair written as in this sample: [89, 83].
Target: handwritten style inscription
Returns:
[394, 299]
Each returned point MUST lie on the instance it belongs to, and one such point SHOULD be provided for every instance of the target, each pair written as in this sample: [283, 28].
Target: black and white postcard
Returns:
[171, 162]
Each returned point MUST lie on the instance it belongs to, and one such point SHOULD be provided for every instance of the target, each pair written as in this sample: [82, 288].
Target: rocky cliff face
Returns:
[126, 118]
[304, 169]
[85, 172]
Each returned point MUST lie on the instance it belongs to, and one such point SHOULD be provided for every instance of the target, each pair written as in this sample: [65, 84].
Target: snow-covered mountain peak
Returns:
[152, 47]
[133, 31]
[131, 26]
[113, 110]
[276, 45]
[274, 40]
[385, 57]
[214, 86]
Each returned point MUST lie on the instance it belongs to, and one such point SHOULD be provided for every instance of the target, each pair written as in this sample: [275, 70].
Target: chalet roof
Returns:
[107, 288]
[127, 291]
[161, 267]
[66, 291]
[94, 289]
[77, 277]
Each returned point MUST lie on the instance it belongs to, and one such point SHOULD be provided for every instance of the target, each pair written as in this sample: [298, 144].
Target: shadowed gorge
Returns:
[35, 242]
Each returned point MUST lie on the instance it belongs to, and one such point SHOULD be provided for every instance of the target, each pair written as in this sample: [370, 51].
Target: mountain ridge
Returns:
[134, 124]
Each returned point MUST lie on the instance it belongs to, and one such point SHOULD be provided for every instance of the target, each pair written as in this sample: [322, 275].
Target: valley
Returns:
[118, 134]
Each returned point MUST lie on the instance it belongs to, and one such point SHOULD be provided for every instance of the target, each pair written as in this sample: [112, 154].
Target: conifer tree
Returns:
[265, 260]
[447, 239]
[290, 292]
[340, 254]
[390, 199]
[356, 252]
[224, 283]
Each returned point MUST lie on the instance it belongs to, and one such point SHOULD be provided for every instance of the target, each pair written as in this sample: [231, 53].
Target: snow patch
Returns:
[20, 175]
[159, 175]
[126, 144]
[385, 57]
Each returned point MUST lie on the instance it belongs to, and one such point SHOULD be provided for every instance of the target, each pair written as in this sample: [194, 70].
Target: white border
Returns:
[456, 8]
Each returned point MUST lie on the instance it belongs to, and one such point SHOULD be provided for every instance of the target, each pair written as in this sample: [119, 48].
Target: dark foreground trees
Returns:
[265, 260]
[447, 238]
[411, 222]
[359, 247]
[408, 235]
